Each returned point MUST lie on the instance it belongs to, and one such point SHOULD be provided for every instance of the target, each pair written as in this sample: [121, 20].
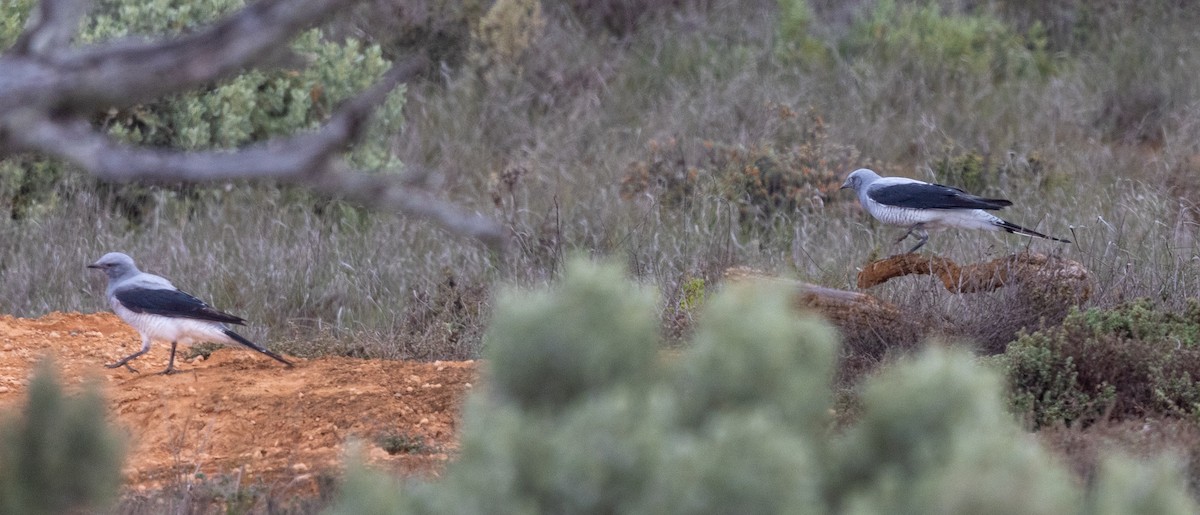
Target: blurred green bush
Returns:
[582, 415]
[59, 455]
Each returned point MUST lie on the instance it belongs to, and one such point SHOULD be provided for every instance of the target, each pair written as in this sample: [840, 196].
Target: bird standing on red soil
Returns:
[160, 311]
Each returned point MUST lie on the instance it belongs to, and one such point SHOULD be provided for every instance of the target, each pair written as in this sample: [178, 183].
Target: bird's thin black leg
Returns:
[908, 233]
[171, 363]
[921, 233]
[923, 236]
[125, 361]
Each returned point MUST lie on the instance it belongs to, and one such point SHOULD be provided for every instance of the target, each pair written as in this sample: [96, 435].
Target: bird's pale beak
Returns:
[845, 185]
[93, 265]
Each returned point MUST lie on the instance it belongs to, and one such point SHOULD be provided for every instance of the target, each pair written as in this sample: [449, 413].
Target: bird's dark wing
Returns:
[931, 196]
[171, 303]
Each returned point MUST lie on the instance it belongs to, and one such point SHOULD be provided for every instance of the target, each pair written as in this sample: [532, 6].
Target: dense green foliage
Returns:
[740, 423]
[940, 45]
[59, 454]
[251, 107]
[1134, 360]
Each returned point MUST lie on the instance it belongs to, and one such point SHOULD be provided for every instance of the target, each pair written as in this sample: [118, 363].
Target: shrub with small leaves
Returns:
[1129, 361]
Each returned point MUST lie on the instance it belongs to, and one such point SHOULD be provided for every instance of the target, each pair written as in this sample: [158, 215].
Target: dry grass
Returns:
[545, 149]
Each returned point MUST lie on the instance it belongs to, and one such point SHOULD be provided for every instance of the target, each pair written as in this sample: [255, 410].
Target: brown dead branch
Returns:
[1023, 268]
[49, 89]
[872, 328]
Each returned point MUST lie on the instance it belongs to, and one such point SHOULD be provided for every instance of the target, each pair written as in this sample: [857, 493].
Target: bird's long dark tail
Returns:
[238, 338]
[1011, 227]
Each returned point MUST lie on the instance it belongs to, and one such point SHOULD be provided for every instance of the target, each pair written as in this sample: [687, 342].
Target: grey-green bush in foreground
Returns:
[59, 455]
[581, 416]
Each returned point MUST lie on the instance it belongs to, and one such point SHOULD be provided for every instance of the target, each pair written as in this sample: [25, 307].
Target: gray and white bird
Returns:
[923, 207]
[160, 311]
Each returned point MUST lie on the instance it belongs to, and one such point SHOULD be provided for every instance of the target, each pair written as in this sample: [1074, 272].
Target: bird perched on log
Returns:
[160, 311]
[923, 207]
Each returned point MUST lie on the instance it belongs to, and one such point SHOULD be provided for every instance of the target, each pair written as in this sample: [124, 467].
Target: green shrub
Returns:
[938, 46]
[978, 172]
[257, 104]
[59, 455]
[1130, 361]
[249, 108]
[741, 423]
[798, 43]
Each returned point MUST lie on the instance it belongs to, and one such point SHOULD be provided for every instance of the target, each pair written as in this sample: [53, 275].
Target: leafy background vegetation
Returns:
[681, 138]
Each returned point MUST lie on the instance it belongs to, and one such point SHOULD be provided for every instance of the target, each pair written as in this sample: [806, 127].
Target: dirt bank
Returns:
[238, 412]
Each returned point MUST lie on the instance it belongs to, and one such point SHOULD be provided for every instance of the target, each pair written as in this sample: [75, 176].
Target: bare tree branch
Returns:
[48, 90]
[73, 138]
[126, 72]
[51, 27]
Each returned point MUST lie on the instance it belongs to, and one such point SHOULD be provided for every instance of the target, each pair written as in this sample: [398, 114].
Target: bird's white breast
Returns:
[934, 219]
[171, 329]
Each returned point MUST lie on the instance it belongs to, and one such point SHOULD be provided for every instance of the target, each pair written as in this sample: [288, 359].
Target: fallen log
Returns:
[872, 328]
[1026, 268]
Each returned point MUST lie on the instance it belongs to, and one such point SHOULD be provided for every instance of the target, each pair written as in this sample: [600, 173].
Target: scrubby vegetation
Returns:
[740, 423]
[682, 138]
[1132, 361]
[591, 128]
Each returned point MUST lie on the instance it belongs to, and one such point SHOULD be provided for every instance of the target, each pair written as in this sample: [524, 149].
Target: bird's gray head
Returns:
[859, 179]
[116, 266]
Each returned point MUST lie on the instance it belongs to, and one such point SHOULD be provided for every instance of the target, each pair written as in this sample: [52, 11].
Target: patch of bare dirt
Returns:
[239, 412]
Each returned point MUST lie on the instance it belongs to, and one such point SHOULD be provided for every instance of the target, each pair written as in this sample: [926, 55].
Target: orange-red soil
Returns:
[239, 412]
